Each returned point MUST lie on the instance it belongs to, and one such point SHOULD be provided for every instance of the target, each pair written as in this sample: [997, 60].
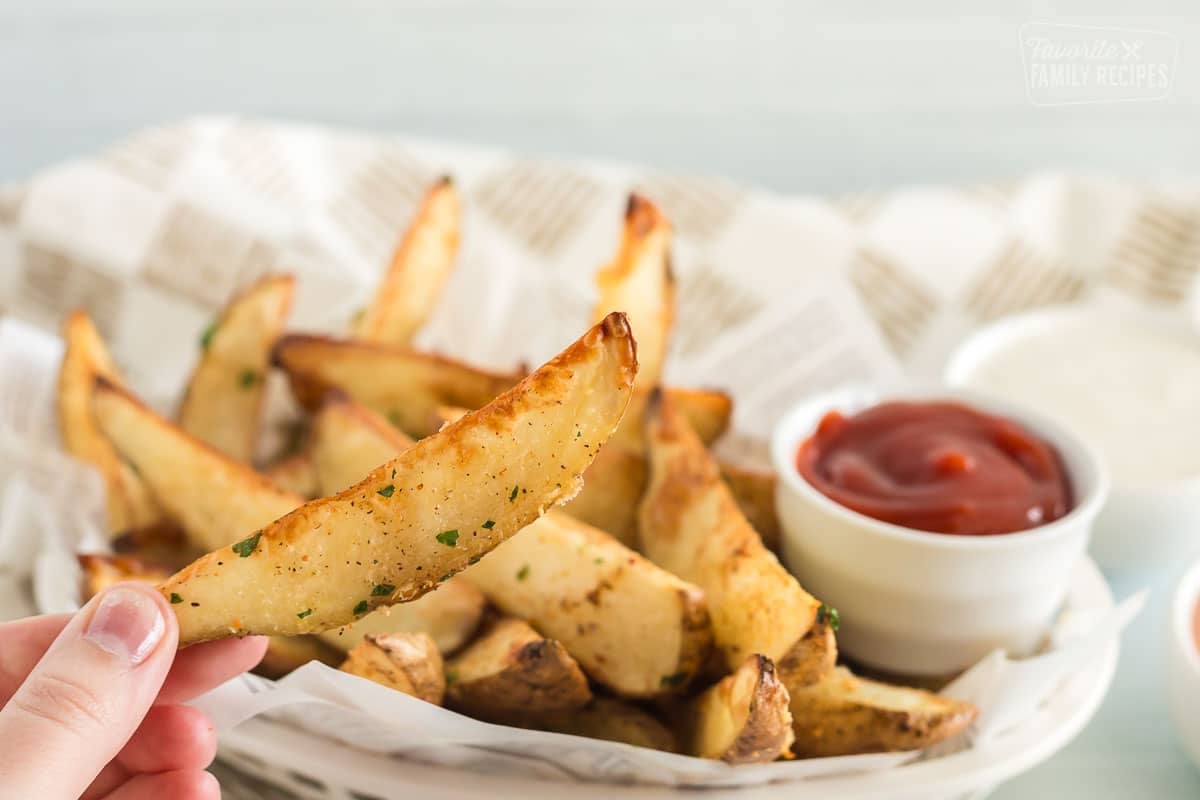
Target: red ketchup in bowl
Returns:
[936, 466]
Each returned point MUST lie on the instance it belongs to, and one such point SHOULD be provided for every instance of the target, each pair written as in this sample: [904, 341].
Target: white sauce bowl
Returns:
[1183, 663]
[922, 603]
[1146, 523]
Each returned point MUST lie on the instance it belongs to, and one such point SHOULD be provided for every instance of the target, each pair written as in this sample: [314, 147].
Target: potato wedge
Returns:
[811, 658]
[634, 628]
[450, 614]
[511, 671]
[287, 653]
[405, 386]
[691, 525]
[407, 662]
[214, 498]
[754, 491]
[844, 714]
[222, 406]
[348, 441]
[609, 719]
[129, 503]
[417, 274]
[425, 515]
[296, 474]
[612, 489]
[638, 281]
[743, 718]
[101, 571]
[708, 411]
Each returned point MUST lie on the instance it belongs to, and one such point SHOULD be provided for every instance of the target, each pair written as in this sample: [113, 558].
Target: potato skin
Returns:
[743, 718]
[403, 385]
[810, 659]
[610, 719]
[844, 715]
[512, 671]
[407, 662]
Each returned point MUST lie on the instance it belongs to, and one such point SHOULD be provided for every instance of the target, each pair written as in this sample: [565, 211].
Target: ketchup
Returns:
[936, 466]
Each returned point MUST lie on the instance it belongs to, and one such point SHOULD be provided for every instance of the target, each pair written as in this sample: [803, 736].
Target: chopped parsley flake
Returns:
[829, 614]
[246, 547]
[176, 598]
[387, 491]
[207, 337]
[448, 538]
[304, 613]
[491, 523]
[513, 495]
[247, 378]
[383, 590]
[672, 680]
[361, 608]
[451, 676]
[523, 572]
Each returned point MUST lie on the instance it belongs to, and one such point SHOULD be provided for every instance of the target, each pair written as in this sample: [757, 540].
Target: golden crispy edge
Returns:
[299, 356]
[612, 335]
[403, 300]
[128, 503]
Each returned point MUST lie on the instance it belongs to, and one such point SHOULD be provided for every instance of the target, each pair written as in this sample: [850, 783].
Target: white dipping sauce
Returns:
[1129, 387]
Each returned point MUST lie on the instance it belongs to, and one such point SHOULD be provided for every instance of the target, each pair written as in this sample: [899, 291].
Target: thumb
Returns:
[88, 694]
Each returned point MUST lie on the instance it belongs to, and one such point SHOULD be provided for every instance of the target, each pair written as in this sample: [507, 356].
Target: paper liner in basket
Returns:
[47, 492]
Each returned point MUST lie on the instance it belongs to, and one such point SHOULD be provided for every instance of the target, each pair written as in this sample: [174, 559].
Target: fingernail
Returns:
[127, 623]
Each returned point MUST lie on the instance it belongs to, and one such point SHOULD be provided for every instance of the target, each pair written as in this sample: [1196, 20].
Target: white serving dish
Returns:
[321, 769]
[920, 603]
[1140, 527]
[1183, 663]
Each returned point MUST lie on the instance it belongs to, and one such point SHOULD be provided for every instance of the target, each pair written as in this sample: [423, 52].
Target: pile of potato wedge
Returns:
[555, 550]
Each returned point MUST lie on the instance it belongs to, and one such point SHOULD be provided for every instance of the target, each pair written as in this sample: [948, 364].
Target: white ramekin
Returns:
[923, 603]
[1183, 663]
[1142, 527]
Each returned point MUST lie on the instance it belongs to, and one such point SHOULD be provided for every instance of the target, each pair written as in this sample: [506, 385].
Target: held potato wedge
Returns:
[609, 719]
[634, 628]
[348, 441]
[405, 386]
[418, 271]
[215, 499]
[420, 518]
[223, 402]
[407, 662]
[511, 671]
[691, 526]
[296, 474]
[743, 718]
[844, 714]
[129, 503]
[287, 653]
[101, 571]
[450, 614]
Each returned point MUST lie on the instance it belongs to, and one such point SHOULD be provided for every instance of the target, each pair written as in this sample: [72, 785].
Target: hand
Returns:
[90, 702]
